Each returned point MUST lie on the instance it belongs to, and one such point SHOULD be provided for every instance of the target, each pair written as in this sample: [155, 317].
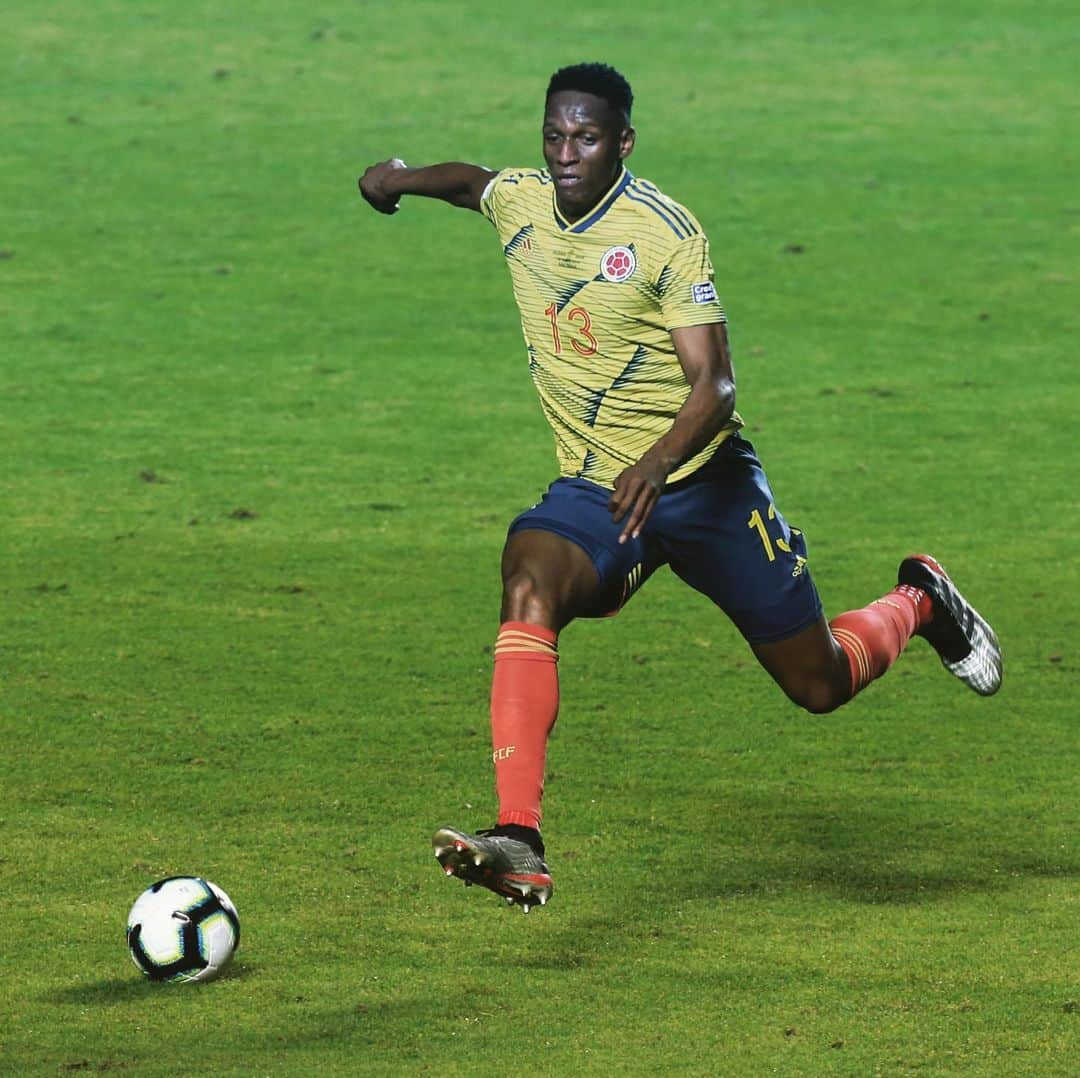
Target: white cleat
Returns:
[962, 637]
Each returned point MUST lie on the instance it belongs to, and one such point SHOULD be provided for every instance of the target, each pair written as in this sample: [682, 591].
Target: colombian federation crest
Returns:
[618, 264]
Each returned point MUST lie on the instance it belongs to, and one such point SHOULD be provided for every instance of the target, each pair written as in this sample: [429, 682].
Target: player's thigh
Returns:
[547, 579]
[563, 556]
[724, 536]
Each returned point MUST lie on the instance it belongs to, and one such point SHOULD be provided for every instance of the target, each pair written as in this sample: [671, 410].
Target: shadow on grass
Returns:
[902, 853]
[110, 990]
[404, 1027]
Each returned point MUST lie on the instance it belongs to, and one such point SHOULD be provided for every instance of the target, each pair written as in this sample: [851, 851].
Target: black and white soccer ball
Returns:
[182, 929]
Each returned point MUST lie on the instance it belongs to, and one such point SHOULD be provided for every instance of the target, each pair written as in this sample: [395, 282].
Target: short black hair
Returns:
[600, 80]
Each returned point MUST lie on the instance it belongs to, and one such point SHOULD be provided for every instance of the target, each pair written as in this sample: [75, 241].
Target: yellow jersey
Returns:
[599, 298]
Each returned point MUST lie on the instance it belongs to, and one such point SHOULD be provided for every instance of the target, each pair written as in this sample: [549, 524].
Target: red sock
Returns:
[524, 705]
[872, 638]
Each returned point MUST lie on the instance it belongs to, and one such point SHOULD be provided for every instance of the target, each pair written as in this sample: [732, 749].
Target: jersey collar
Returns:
[594, 215]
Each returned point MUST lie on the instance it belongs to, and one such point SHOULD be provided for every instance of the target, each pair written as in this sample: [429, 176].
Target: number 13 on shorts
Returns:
[771, 545]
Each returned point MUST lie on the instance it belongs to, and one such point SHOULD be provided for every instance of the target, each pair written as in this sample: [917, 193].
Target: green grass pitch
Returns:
[259, 447]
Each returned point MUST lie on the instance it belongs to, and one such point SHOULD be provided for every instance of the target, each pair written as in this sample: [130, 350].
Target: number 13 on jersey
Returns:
[584, 343]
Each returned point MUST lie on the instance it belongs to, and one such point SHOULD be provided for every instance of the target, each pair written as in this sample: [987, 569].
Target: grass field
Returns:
[259, 449]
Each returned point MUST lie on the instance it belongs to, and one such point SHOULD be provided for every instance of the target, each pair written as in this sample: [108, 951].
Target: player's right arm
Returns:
[382, 185]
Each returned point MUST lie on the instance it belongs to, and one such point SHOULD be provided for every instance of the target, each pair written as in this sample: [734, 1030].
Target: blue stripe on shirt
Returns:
[662, 213]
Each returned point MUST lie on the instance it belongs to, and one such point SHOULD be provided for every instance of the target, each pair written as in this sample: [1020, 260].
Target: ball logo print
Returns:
[618, 264]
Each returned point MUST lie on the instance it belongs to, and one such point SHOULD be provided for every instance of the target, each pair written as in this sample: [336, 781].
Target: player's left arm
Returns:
[706, 361]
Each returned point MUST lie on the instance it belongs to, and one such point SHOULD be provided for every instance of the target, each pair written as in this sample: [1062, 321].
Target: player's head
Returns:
[587, 133]
[597, 80]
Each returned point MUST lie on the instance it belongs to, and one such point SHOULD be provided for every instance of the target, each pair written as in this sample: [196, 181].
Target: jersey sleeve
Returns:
[499, 193]
[687, 293]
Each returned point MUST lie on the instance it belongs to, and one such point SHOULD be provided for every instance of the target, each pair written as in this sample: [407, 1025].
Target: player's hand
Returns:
[376, 185]
[637, 490]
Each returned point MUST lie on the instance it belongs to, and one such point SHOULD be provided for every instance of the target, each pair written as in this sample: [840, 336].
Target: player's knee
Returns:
[819, 696]
[526, 599]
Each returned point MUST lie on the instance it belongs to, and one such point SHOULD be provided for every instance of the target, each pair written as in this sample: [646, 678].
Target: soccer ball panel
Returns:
[217, 940]
[162, 939]
[228, 908]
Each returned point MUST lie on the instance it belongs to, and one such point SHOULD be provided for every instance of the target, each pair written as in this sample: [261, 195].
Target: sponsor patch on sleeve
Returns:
[703, 293]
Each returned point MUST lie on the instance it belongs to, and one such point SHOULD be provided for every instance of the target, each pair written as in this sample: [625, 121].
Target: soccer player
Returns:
[628, 351]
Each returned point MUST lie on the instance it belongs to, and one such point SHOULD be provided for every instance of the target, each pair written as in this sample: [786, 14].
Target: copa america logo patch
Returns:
[617, 264]
[703, 293]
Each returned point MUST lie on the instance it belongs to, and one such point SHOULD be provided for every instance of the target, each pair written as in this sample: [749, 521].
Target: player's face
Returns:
[585, 141]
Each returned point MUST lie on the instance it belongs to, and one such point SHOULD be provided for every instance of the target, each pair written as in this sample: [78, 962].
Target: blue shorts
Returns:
[718, 529]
